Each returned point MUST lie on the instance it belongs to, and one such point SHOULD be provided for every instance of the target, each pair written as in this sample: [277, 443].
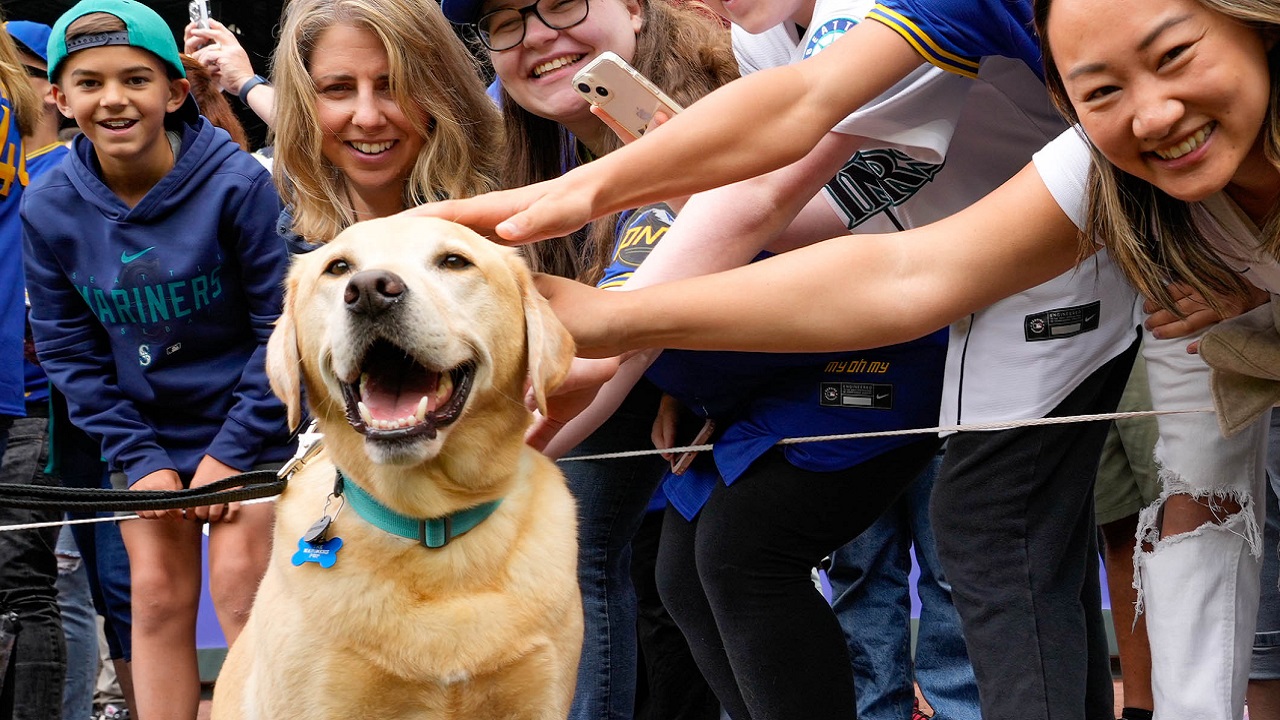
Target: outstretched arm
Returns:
[748, 127]
[840, 294]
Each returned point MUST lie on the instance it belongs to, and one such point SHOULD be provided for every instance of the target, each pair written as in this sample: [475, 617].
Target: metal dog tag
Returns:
[324, 554]
[315, 534]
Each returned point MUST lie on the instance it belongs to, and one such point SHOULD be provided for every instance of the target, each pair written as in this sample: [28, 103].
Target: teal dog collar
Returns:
[431, 532]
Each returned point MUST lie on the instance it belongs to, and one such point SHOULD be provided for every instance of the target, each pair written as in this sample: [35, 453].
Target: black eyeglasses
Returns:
[36, 72]
[504, 29]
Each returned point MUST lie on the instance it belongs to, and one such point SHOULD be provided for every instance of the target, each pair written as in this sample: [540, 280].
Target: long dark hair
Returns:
[1152, 236]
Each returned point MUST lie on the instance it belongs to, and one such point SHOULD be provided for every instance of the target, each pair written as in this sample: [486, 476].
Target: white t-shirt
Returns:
[937, 143]
[1064, 166]
[1237, 239]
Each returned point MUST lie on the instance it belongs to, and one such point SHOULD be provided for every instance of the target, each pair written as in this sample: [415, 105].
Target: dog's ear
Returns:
[284, 360]
[550, 345]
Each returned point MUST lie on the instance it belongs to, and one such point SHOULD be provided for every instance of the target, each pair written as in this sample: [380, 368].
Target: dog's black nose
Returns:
[373, 291]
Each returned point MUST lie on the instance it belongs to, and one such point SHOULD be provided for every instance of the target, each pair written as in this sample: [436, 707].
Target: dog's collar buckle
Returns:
[435, 532]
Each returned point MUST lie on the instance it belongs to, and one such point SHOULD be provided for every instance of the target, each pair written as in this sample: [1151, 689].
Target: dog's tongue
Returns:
[401, 397]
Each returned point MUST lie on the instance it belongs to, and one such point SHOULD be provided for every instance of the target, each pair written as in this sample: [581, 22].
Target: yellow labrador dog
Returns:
[445, 585]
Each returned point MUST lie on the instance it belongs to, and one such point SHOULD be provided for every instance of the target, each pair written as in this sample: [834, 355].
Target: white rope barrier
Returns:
[975, 427]
[109, 518]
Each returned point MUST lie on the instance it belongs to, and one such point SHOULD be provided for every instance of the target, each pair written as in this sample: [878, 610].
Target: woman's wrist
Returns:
[248, 85]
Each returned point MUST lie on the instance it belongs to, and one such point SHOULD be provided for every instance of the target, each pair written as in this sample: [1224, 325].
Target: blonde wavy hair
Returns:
[1150, 235]
[432, 77]
[685, 50]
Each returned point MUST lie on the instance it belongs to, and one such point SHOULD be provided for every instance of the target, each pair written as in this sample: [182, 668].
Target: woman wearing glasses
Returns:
[536, 48]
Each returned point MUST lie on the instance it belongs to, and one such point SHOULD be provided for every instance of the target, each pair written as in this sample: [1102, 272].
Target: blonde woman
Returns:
[378, 108]
[375, 106]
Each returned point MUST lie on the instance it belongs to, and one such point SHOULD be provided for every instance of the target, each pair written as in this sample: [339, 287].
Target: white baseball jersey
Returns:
[936, 143]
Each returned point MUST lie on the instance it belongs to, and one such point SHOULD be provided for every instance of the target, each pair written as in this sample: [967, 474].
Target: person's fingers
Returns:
[1159, 318]
[542, 432]
[622, 133]
[530, 225]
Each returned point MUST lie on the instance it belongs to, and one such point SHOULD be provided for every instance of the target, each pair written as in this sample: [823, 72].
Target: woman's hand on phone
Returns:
[626, 137]
[219, 50]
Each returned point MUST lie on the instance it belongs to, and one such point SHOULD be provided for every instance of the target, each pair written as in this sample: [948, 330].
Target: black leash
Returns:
[247, 486]
[237, 488]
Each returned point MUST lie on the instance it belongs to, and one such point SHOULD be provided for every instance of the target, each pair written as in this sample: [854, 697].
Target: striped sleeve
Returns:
[956, 34]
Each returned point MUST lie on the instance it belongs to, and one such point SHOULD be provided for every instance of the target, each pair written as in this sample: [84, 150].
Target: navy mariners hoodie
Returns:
[153, 320]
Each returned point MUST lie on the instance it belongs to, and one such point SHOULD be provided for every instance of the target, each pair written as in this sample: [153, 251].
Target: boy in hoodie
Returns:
[155, 275]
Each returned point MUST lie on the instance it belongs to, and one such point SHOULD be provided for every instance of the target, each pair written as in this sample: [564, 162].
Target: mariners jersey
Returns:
[980, 133]
[758, 399]
[983, 132]
[13, 178]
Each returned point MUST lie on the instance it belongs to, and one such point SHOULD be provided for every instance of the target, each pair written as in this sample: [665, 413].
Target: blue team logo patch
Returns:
[642, 232]
[826, 34]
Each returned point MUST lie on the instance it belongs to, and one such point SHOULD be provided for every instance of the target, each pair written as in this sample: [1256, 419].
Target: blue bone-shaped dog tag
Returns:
[324, 554]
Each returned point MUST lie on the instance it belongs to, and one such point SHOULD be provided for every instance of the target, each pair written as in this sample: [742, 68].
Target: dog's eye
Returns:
[454, 262]
[338, 267]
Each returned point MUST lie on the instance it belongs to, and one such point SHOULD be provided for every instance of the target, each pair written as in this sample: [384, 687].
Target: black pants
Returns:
[738, 582]
[1012, 512]
[28, 572]
[669, 684]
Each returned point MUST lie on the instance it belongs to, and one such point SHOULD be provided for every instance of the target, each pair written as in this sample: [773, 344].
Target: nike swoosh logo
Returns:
[126, 258]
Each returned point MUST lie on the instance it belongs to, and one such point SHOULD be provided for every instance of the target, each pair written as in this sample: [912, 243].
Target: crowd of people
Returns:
[872, 217]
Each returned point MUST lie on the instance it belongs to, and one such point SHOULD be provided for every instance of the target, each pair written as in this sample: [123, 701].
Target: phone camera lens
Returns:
[602, 92]
[583, 87]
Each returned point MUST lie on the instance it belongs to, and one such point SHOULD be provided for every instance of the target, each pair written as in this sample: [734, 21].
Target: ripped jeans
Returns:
[1200, 588]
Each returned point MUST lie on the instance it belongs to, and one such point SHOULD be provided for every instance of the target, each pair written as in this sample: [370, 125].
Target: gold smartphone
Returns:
[625, 95]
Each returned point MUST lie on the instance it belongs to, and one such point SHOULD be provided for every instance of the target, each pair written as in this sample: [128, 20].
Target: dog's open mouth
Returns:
[397, 397]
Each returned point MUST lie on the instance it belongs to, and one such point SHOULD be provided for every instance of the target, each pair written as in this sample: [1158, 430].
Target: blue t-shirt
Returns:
[956, 34]
[757, 399]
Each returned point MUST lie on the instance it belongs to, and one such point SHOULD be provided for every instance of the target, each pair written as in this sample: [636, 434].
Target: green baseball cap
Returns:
[145, 29]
